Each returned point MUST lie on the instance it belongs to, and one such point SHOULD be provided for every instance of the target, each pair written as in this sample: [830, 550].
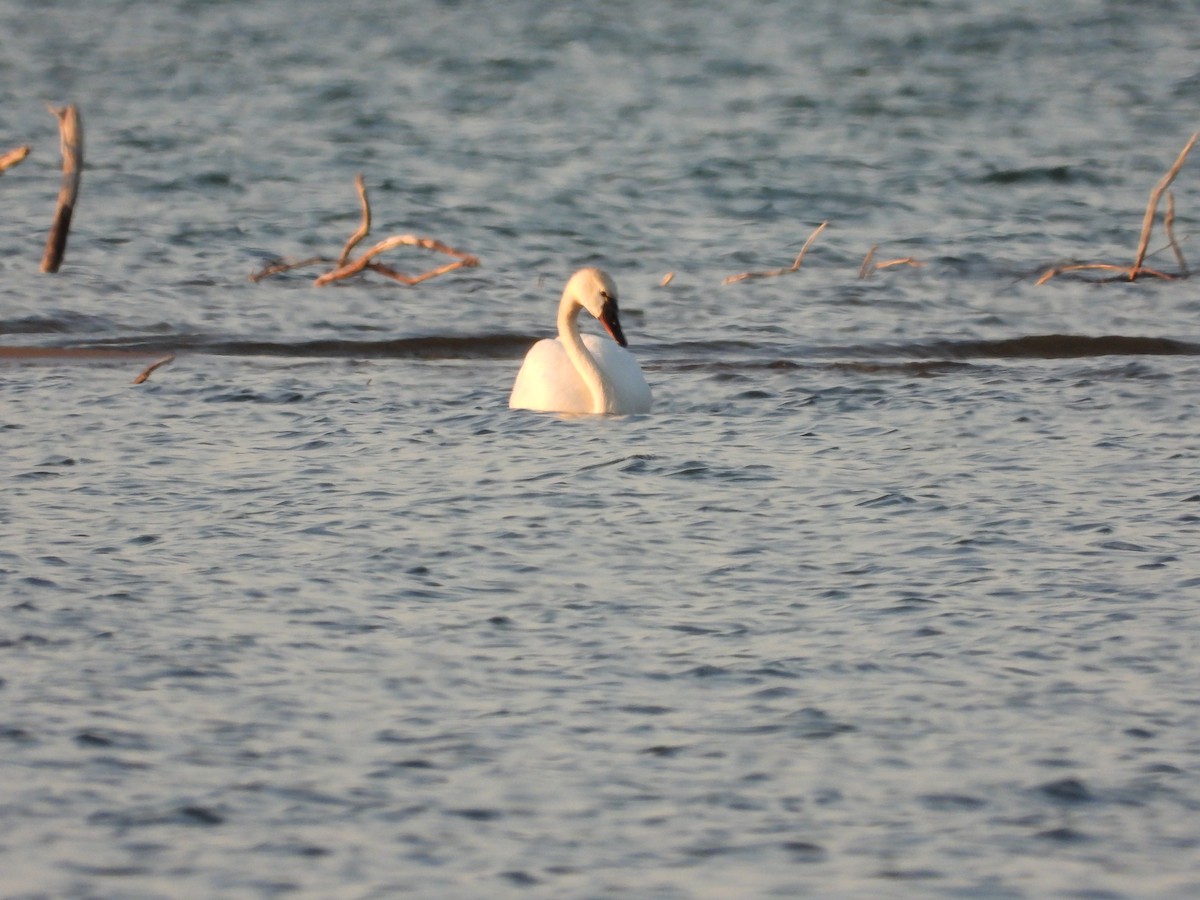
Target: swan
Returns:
[583, 374]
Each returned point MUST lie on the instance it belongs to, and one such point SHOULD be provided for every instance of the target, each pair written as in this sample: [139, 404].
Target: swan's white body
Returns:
[583, 374]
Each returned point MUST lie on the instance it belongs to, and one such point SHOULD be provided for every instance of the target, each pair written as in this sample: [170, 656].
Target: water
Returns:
[892, 595]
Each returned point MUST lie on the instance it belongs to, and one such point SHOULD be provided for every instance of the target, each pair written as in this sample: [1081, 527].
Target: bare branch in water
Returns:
[745, 276]
[405, 278]
[869, 268]
[903, 261]
[1108, 267]
[1169, 228]
[70, 128]
[866, 268]
[1132, 273]
[1152, 206]
[146, 372]
[282, 265]
[365, 228]
[343, 268]
[12, 157]
[465, 260]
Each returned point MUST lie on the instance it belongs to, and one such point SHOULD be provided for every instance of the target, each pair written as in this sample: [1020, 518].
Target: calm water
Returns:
[894, 594]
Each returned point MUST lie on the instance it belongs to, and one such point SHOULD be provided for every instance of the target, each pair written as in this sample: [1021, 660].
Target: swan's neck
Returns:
[583, 361]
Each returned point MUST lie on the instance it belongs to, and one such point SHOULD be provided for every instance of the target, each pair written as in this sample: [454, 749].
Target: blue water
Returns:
[894, 593]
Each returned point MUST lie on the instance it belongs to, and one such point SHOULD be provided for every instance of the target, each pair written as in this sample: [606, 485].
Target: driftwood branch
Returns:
[12, 157]
[902, 261]
[146, 372]
[344, 268]
[1169, 228]
[365, 228]
[866, 268]
[70, 128]
[869, 267]
[405, 278]
[1132, 273]
[1105, 267]
[1152, 205]
[280, 266]
[465, 260]
[745, 276]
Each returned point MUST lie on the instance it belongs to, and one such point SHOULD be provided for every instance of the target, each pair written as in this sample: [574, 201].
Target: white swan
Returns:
[588, 374]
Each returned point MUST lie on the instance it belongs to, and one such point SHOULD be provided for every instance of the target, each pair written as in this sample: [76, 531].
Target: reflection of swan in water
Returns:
[587, 374]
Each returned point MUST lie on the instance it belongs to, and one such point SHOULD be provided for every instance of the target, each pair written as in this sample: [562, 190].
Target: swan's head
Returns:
[596, 292]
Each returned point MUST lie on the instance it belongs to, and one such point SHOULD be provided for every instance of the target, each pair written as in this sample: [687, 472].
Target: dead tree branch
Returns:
[1132, 273]
[1169, 228]
[1152, 205]
[146, 372]
[1107, 267]
[70, 128]
[745, 276]
[365, 228]
[866, 268]
[281, 265]
[869, 267]
[344, 268]
[12, 157]
[465, 260]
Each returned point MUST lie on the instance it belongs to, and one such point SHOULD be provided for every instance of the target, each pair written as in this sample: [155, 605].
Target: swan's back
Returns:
[548, 382]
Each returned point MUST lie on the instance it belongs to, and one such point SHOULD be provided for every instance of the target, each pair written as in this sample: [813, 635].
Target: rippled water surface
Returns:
[894, 593]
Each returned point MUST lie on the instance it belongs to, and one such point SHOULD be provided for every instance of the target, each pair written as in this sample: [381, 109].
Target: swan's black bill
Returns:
[612, 322]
